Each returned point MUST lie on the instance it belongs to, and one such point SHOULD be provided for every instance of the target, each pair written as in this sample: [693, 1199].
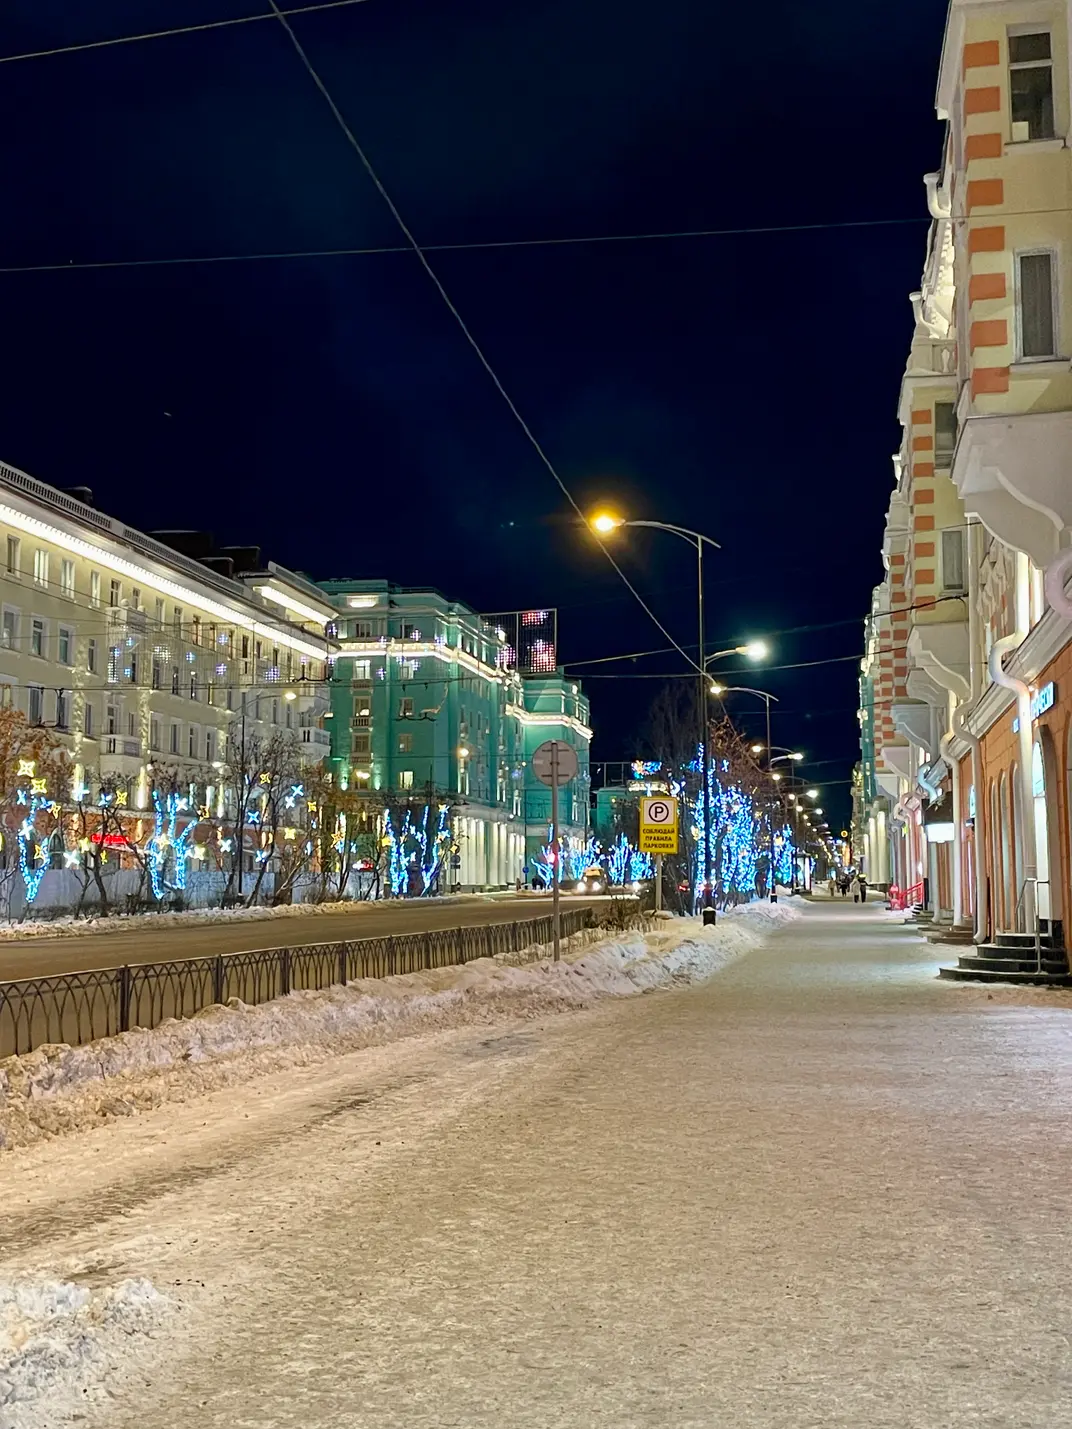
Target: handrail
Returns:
[1031, 878]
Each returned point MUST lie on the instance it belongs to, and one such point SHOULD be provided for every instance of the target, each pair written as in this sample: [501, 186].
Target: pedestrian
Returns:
[831, 884]
[843, 885]
[860, 888]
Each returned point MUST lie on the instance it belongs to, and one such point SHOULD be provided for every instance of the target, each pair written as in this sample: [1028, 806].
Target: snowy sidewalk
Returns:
[820, 1189]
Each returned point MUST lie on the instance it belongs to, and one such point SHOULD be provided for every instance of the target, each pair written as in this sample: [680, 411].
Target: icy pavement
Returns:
[820, 1189]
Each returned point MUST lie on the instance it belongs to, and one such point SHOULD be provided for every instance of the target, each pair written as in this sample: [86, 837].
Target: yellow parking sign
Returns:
[658, 824]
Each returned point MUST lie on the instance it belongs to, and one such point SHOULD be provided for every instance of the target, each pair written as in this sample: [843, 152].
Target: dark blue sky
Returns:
[329, 409]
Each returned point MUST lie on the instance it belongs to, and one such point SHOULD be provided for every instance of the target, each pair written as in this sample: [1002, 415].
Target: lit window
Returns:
[94, 588]
[37, 637]
[405, 744]
[14, 546]
[66, 644]
[405, 778]
[67, 579]
[41, 568]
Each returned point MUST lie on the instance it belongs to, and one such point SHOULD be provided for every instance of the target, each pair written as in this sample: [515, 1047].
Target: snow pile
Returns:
[56, 1337]
[69, 926]
[57, 1089]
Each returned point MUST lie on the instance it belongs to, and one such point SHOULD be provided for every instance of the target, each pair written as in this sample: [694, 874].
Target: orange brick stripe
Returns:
[984, 286]
[922, 418]
[981, 53]
[983, 146]
[922, 444]
[985, 193]
[923, 523]
[922, 468]
[923, 496]
[990, 332]
[986, 380]
[986, 100]
[986, 240]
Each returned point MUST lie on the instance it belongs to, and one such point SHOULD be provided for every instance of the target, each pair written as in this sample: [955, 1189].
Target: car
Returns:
[592, 880]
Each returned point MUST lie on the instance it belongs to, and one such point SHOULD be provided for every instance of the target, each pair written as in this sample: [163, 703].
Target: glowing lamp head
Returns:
[755, 650]
[812, 793]
[717, 689]
[757, 748]
[797, 756]
[604, 523]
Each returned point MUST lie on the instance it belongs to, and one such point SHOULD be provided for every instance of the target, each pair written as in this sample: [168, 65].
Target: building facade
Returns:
[964, 696]
[428, 709]
[131, 652]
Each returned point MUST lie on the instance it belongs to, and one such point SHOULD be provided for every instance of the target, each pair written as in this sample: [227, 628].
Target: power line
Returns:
[164, 34]
[488, 244]
[485, 244]
[477, 349]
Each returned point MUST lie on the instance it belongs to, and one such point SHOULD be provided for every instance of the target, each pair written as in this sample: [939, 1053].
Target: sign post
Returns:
[555, 763]
[659, 835]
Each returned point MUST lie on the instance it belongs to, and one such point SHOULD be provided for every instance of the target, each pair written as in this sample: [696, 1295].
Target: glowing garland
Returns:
[29, 847]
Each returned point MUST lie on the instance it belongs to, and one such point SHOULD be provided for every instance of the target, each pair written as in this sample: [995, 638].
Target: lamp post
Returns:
[605, 524]
[766, 697]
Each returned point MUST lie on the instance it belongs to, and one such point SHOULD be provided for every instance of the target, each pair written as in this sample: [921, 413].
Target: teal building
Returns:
[428, 707]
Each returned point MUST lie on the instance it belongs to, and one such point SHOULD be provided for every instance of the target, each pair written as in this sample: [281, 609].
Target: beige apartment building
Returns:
[133, 652]
[965, 703]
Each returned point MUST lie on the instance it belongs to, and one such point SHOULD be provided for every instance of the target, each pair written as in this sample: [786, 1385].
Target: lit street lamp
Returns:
[605, 523]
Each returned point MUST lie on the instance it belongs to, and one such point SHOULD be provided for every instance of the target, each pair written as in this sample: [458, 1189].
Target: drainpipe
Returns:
[960, 726]
[998, 651]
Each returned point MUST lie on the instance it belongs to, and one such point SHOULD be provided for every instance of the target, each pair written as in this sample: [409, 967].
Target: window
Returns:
[405, 744]
[410, 632]
[362, 670]
[113, 719]
[1035, 294]
[35, 704]
[154, 732]
[192, 743]
[405, 778]
[67, 579]
[195, 629]
[135, 598]
[87, 720]
[91, 656]
[37, 637]
[66, 646]
[1031, 87]
[362, 629]
[177, 619]
[94, 588]
[41, 568]
[132, 668]
[158, 611]
[360, 745]
[405, 708]
[156, 673]
[945, 434]
[62, 709]
[953, 560]
[115, 593]
[174, 679]
[9, 630]
[193, 687]
[407, 669]
[14, 546]
[175, 731]
[210, 745]
[113, 664]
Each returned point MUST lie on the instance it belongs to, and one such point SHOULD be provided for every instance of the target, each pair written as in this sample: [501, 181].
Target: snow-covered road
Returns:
[820, 1189]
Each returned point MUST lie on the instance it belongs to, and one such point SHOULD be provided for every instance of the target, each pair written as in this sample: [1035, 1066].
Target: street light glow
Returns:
[605, 523]
[812, 793]
[757, 749]
[796, 756]
[717, 689]
[755, 650]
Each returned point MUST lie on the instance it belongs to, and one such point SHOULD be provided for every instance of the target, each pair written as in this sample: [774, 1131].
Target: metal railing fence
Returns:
[75, 1008]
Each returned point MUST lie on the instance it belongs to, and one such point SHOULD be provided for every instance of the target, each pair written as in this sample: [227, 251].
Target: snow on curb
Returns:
[58, 1089]
[57, 1338]
[69, 926]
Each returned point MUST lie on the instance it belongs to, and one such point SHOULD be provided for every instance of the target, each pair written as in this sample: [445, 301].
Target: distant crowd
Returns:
[848, 880]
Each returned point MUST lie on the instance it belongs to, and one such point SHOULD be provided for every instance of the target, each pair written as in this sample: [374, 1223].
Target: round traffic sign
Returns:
[659, 811]
[555, 762]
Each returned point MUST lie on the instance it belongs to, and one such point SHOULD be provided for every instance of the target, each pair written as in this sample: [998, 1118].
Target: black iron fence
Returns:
[75, 1008]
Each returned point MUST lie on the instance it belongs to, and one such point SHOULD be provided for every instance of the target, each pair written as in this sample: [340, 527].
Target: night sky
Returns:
[330, 410]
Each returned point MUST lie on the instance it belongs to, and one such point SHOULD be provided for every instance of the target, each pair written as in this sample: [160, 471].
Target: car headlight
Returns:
[580, 886]
[597, 887]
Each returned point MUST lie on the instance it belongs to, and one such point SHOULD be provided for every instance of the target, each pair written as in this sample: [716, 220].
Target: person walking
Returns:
[843, 885]
[860, 889]
[831, 884]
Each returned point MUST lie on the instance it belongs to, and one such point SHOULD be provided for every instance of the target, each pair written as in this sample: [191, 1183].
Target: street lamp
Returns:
[605, 523]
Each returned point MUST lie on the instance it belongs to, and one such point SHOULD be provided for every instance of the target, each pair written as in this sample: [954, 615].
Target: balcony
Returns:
[317, 737]
[933, 357]
[134, 622]
[940, 649]
[1012, 472]
[116, 744]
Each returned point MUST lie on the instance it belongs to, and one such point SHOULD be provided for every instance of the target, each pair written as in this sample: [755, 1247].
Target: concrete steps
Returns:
[1012, 959]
